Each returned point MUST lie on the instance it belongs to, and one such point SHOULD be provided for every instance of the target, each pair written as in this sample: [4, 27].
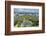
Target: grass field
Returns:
[26, 21]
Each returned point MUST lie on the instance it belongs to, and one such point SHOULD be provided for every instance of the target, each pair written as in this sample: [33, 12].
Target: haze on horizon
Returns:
[25, 10]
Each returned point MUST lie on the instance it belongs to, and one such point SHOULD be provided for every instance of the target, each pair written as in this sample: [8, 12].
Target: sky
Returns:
[25, 10]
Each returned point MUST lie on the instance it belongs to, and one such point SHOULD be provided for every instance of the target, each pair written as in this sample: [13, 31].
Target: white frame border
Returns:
[26, 28]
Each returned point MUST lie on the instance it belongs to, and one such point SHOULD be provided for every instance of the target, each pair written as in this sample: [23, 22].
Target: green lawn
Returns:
[26, 19]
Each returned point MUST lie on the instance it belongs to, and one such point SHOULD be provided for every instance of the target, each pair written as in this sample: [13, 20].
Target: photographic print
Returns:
[24, 17]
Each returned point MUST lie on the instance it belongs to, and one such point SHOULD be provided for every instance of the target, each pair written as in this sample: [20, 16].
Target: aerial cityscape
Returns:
[26, 17]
